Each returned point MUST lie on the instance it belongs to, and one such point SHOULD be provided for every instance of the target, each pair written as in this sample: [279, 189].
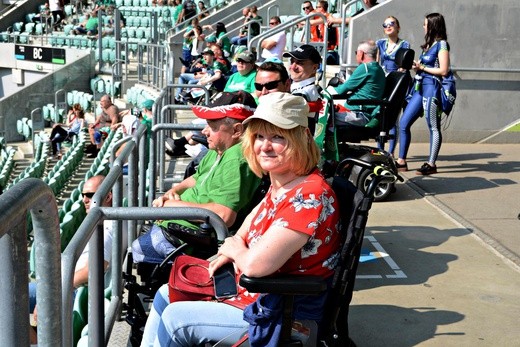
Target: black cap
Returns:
[305, 52]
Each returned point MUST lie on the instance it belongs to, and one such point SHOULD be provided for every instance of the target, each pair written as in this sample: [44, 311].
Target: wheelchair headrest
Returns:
[404, 58]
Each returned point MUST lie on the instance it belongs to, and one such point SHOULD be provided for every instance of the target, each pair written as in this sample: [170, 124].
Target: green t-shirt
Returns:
[186, 42]
[238, 82]
[219, 66]
[92, 23]
[226, 181]
[366, 82]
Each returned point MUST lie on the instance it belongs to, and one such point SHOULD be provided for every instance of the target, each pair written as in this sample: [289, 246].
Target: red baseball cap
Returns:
[237, 105]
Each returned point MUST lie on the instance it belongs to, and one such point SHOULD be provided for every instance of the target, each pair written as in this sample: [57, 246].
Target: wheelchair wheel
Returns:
[383, 190]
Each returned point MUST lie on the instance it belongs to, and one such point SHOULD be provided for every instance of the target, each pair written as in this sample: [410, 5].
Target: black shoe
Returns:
[426, 169]
[175, 148]
[401, 167]
[184, 62]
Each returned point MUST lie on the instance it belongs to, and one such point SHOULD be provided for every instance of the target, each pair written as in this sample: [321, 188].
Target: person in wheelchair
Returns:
[294, 230]
[222, 183]
[367, 82]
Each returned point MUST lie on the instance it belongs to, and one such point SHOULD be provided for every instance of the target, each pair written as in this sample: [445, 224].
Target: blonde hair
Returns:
[301, 149]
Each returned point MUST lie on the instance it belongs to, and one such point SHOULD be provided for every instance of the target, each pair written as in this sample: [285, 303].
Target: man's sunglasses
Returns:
[88, 194]
[307, 8]
[388, 25]
[268, 85]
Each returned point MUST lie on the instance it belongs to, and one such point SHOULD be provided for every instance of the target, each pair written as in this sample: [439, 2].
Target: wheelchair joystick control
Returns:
[206, 227]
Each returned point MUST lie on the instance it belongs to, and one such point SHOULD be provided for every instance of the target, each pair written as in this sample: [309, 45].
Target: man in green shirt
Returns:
[367, 82]
[223, 182]
[244, 78]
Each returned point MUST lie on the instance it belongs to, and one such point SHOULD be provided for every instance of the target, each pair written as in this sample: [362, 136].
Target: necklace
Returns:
[391, 49]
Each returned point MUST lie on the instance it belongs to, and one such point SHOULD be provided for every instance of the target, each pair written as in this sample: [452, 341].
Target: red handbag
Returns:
[189, 280]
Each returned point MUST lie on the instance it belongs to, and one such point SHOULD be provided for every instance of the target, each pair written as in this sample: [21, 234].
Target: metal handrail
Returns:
[34, 196]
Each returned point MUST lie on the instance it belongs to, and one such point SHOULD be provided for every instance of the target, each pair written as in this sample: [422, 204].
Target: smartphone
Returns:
[224, 282]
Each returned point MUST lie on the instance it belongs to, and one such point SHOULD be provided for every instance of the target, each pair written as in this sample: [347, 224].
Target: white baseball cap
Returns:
[283, 110]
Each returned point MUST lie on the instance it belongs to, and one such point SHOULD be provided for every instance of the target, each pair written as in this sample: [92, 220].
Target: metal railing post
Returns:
[35, 196]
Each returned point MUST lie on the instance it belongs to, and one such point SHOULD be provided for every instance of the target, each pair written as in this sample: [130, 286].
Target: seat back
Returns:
[354, 209]
[397, 85]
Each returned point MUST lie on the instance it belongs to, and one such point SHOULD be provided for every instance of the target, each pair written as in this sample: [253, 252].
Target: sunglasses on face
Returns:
[307, 8]
[268, 85]
[388, 25]
[88, 194]
[241, 61]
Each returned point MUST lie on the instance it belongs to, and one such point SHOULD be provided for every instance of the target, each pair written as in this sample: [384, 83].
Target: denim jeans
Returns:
[191, 323]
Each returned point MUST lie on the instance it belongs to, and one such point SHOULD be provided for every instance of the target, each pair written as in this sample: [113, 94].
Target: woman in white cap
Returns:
[292, 231]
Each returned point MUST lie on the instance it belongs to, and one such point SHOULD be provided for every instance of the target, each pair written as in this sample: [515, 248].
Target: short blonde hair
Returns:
[301, 149]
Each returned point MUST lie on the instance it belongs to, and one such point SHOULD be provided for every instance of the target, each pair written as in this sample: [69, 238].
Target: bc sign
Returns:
[40, 54]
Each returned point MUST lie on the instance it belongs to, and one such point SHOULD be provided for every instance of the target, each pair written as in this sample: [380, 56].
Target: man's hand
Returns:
[169, 195]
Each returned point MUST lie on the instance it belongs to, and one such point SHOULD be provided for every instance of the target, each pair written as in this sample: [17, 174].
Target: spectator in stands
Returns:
[198, 44]
[271, 77]
[56, 7]
[62, 132]
[222, 183]
[274, 45]
[202, 10]
[106, 121]
[244, 78]
[387, 49]
[221, 38]
[304, 62]
[109, 30]
[318, 28]
[81, 270]
[253, 29]
[177, 9]
[89, 27]
[366, 82]
[308, 8]
[353, 11]
[44, 14]
[189, 10]
[187, 42]
[215, 73]
[293, 230]
[433, 64]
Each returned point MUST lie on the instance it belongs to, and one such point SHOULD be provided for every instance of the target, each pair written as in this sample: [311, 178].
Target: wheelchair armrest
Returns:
[288, 285]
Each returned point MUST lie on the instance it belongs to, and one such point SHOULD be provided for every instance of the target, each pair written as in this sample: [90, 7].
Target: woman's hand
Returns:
[217, 263]
[232, 246]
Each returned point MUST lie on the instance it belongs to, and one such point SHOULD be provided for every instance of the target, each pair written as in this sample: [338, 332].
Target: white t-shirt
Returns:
[277, 50]
[107, 246]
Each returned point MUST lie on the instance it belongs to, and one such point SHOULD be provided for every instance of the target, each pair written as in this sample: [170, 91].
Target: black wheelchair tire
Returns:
[383, 190]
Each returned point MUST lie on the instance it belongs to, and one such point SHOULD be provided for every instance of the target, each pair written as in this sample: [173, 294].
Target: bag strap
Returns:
[182, 273]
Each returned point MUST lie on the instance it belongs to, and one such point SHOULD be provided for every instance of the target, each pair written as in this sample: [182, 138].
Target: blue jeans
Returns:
[186, 78]
[32, 296]
[191, 323]
[239, 41]
[424, 101]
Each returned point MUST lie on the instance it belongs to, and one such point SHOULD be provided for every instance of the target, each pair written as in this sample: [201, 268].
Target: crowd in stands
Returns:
[259, 110]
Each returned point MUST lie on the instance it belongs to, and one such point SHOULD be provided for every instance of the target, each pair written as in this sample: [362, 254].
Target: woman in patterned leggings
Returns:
[433, 63]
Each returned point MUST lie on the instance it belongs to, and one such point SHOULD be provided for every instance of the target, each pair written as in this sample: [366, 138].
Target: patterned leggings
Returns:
[423, 101]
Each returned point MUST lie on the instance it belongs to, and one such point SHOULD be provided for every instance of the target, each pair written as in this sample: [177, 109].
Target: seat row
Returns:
[6, 165]
[36, 168]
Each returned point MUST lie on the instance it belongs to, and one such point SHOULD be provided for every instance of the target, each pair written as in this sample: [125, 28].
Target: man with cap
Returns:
[223, 182]
[367, 82]
[304, 62]
[273, 46]
[244, 78]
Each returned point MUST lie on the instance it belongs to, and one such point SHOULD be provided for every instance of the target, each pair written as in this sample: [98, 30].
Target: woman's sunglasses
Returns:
[268, 85]
[388, 25]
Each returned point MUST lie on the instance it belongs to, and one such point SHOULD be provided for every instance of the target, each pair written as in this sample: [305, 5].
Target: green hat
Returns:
[147, 104]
